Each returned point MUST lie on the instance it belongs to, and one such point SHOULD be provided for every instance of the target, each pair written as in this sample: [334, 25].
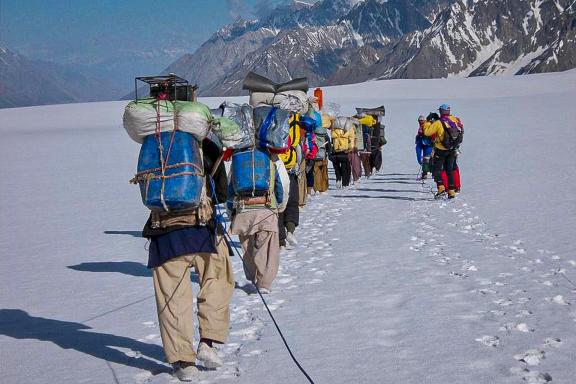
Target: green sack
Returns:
[227, 131]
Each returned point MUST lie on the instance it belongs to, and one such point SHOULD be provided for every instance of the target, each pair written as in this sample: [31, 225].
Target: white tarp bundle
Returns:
[293, 101]
[146, 116]
[344, 123]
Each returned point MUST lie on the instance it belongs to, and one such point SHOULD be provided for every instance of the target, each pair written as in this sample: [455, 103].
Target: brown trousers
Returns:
[258, 234]
[321, 175]
[365, 157]
[302, 185]
[355, 165]
[174, 301]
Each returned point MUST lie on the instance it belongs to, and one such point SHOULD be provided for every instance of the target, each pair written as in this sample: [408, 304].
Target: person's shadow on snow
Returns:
[130, 268]
[18, 324]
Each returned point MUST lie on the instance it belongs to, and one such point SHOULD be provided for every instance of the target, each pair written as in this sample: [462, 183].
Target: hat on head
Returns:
[421, 118]
[444, 107]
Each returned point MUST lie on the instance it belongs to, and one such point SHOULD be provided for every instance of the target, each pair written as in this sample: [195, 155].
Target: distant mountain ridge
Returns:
[25, 82]
[345, 41]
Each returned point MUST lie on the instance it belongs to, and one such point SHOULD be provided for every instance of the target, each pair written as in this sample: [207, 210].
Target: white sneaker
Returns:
[185, 371]
[339, 184]
[291, 239]
[208, 356]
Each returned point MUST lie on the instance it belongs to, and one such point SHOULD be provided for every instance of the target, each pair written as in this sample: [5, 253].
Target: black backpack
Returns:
[453, 135]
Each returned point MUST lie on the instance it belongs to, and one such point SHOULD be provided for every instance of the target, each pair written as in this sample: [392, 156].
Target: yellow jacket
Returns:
[342, 141]
[352, 138]
[436, 131]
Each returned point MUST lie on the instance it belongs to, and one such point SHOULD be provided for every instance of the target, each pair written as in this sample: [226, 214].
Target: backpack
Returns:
[272, 128]
[311, 146]
[322, 143]
[340, 140]
[453, 134]
[290, 156]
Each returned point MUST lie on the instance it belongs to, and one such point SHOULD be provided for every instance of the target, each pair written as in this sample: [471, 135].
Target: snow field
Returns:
[385, 285]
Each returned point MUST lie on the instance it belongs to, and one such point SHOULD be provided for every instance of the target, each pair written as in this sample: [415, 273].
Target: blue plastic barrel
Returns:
[181, 185]
[251, 172]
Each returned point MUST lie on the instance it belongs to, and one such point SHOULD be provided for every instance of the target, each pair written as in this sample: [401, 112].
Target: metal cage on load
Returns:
[177, 88]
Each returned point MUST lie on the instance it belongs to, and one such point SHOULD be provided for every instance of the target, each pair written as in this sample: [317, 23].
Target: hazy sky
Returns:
[38, 27]
[116, 40]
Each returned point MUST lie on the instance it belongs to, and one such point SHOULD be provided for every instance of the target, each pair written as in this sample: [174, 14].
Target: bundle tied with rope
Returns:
[290, 96]
[170, 167]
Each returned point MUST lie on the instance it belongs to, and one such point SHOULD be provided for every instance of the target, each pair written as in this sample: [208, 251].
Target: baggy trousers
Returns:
[302, 185]
[355, 167]
[376, 159]
[321, 175]
[258, 233]
[444, 160]
[174, 301]
[341, 165]
[365, 158]
[292, 212]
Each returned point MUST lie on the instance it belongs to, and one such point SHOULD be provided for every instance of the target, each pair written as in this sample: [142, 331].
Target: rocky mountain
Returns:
[489, 37]
[346, 41]
[25, 82]
[298, 39]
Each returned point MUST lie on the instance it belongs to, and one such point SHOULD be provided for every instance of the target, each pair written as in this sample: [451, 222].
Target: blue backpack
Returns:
[272, 126]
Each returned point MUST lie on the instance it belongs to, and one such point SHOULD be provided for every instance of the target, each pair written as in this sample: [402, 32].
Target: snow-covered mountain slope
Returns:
[337, 42]
[386, 284]
[487, 37]
[298, 40]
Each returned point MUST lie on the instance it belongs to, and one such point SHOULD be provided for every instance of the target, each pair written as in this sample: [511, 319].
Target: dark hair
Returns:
[432, 116]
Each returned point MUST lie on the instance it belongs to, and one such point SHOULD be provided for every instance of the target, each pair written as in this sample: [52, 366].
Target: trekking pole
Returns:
[217, 163]
[229, 238]
[418, 178]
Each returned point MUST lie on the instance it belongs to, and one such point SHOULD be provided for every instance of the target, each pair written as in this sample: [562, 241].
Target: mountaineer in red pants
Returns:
[448, 132]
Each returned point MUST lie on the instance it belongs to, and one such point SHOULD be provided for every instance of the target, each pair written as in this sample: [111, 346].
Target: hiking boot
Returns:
[457, 190]
[441, 191]
[424, 175]
[291, 239]
[264, 291]
[208, 356]
[185, 371]
[451, 193]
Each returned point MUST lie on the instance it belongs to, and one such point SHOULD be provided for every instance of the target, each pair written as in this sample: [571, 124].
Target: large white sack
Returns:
[344, 123]
[194, 118]
[293, 101]
[141, 118]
